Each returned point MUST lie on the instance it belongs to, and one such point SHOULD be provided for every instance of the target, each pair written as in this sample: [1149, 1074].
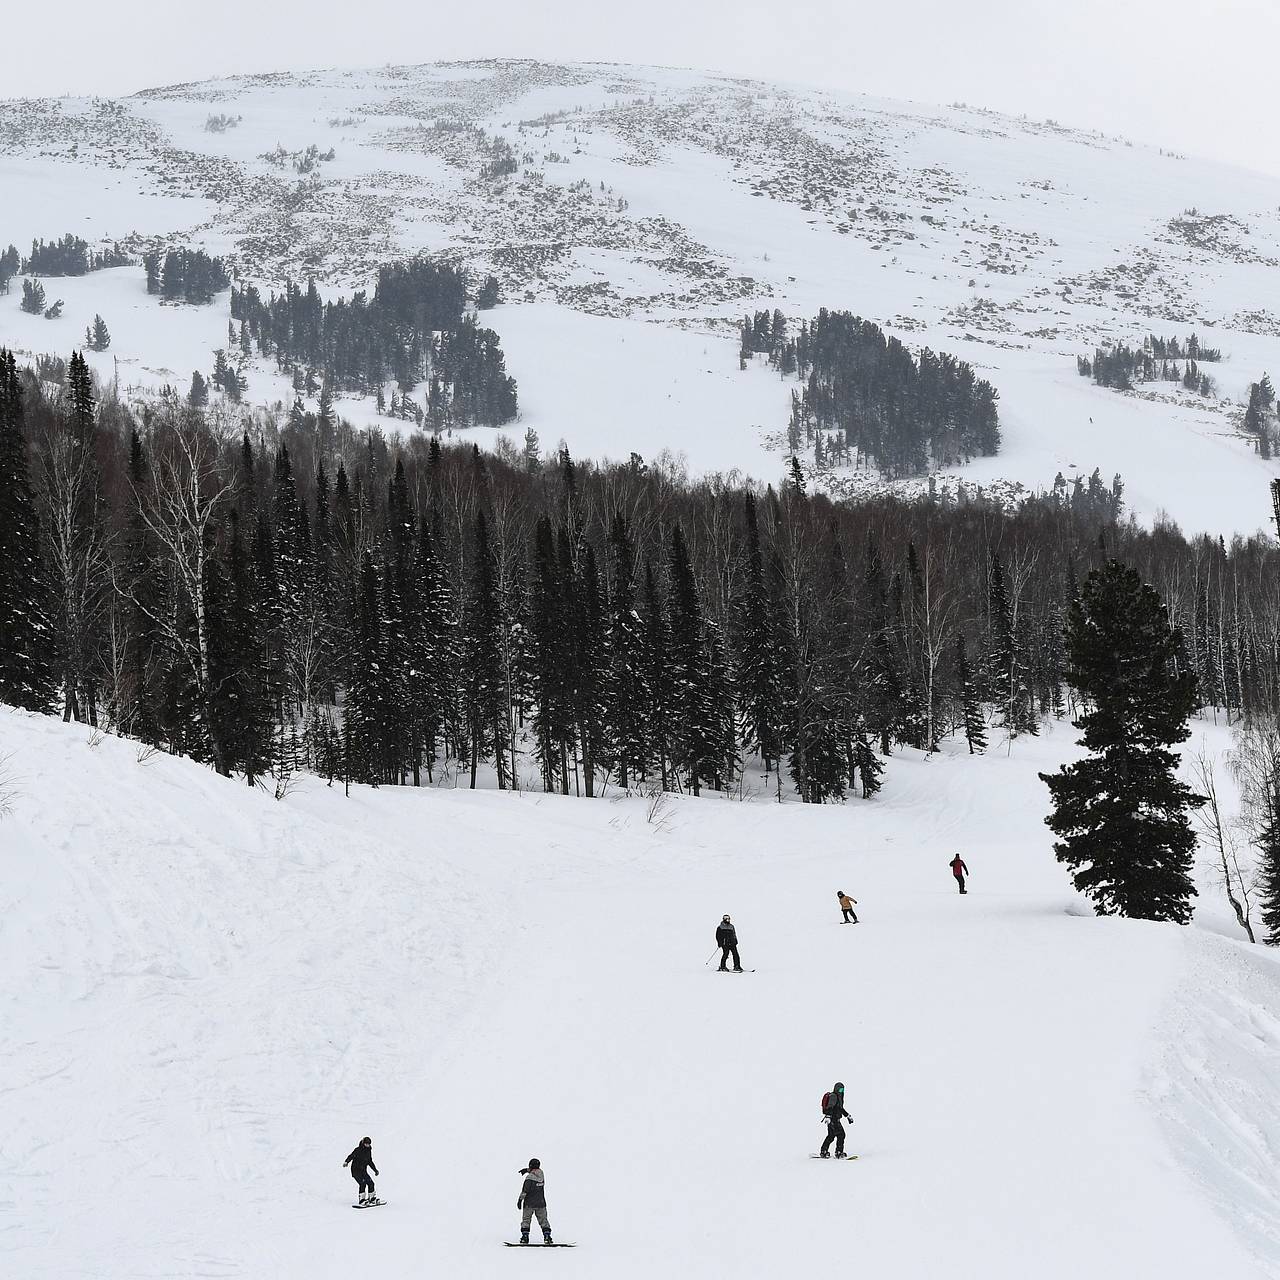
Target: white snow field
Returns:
[209, 996]
[648, 209]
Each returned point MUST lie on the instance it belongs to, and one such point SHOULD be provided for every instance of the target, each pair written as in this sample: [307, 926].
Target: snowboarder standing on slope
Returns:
[833, 1111]
[533, 1200]
[959, 870]
[847, 905]
[361, 1161]
[727, 941]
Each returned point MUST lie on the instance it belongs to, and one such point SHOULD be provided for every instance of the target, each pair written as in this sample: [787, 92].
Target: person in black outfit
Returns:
[727, 941]
[361, 1161]
[834, 1112]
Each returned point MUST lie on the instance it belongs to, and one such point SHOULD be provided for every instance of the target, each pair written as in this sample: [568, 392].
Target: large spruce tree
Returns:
[26, 674]
[1120, 813]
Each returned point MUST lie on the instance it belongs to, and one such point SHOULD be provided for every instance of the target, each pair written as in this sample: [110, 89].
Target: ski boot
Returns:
[824, 1155]
[546, 1238]
[524, 1237]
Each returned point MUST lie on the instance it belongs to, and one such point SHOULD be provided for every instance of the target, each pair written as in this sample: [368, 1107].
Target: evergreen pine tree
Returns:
[549, 657]
[1121, 813]
[1266, 840]
[882, 693]
[867, 764]
[660, 712]
[625, 693]
[589, 641]
[975, 725]
[26, 675]
[483, 684]
[758, 646]
[693, 739]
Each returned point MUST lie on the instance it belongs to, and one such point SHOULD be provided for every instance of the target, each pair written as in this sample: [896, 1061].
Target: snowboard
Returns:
[733, 971]
[844, 1157]
[537, 1244]
[371, 1205]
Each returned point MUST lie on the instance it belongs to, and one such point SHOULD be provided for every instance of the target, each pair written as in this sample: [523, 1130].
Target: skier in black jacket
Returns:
[533, 1200]
[727, 941]
[834, 1112]
[361, 1161]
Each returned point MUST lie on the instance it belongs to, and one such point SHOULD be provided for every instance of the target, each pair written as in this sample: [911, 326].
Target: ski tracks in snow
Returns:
[1214, 1084]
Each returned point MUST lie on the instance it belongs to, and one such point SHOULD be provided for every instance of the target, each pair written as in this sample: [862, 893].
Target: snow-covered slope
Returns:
[648, 209]
[210, 996]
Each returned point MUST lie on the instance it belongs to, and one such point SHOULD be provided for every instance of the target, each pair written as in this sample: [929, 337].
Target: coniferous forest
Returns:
[271, 599]
[414, 329]
[881, 405]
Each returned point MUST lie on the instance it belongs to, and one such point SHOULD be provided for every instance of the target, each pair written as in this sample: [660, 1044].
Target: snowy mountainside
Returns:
[663, 204]
[212, 995]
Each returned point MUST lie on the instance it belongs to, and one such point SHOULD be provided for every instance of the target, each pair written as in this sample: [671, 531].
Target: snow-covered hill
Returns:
[210, 996]
[632, 214]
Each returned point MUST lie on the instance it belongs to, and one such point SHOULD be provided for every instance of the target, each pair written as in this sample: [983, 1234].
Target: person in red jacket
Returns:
[959, 870]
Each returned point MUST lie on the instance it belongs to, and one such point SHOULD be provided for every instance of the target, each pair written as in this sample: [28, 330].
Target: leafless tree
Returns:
[78, 555]
[185, 490]
[1220, 835]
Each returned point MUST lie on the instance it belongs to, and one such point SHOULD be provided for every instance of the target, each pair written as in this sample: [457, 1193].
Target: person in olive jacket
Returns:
[727, 941]
[533, 1200]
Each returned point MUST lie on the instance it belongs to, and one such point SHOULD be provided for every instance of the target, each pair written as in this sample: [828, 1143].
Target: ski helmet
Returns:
[534, 1162]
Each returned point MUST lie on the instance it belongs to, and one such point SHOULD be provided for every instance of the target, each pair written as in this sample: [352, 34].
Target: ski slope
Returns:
[210, 996]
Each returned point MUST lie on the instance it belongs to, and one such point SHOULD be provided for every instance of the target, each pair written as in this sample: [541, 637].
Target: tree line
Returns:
[1156, 360]
[185, 275]
[71, 256]
[866, 398]
[267, 597]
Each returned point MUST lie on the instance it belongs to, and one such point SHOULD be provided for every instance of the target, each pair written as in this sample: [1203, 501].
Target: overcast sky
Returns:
[1158, 71]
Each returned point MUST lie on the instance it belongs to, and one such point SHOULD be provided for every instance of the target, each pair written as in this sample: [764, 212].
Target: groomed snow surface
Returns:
[209, 996]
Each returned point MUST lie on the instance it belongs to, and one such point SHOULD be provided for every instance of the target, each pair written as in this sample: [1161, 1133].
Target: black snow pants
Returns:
[363, 1181]
[835, 1133]
[725, 953]
[848, 914]
[960, 883]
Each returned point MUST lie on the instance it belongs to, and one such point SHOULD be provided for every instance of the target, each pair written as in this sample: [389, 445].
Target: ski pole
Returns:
[710, 958]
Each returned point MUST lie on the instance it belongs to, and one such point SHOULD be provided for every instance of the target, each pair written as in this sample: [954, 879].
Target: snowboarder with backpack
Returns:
[847, 905]
[361, 1161]
[533, 1200]
[833, 1113]
[959, 870]
[727, 941]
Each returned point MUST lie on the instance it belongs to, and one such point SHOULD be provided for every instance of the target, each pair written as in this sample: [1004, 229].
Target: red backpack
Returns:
[826, 1098]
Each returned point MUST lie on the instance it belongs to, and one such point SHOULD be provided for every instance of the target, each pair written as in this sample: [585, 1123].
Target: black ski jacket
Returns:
[534, 1191]
[726, 936]
[361, 1159]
